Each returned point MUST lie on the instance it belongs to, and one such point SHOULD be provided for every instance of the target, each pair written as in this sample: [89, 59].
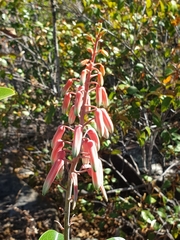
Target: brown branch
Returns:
[56, 83]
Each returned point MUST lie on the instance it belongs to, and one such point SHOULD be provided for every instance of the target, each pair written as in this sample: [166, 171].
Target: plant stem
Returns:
[68, 200]
[67, 209]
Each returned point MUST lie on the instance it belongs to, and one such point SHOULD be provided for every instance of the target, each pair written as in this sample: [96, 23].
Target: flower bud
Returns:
[56, 167]
[78, 103]
[77, 141]
[107, 120]
[99, 121]
[75, 187]
[102, 70]
[57, 147]
[83, 77]
[88, 103]
[58, 135]
[67, 86]
[100, 79]
[98, 95]
[66, 102]
[93, 155]
[93, 136]
[105, 100]
[71, 116]
[97, 176]
[84, 62]
[106, 132]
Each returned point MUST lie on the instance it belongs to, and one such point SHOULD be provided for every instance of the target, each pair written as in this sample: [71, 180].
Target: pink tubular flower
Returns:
[91, 132]
[100, 79]
[56, 167]
[84, 62]
[58, 135]
[71, 116]
[57, 148]
[107, 120]
[105, 100]
[83, 77]
[106, 132]
[99, 121]
[78, 103]
[97, 177]
[66, 102]
[76, 145]
[67, 86]
[88, 104]
[92, 152]
[102, 70]
[75, 188]
[98, 95]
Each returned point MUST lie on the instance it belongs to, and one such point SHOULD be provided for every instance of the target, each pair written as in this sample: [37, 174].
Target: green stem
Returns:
[67, 209]
[68, 201]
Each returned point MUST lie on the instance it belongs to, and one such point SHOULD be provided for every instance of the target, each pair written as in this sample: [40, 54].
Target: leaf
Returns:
[6, 92]
[147, 216]
[162, 6]
[132, 90]
[51, 235]
[167, 80]
[162, 213]
[148, 3]
[150, 200]
[166, 104]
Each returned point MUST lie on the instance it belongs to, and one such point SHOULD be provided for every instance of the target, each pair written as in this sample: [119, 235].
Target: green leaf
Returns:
[147, 216]
[148, 3]
[165, 136]
[6, 92]
[51, 235]
[107, 170]
[132, 90]
[162, 213]
[165, 104]
[150, 200]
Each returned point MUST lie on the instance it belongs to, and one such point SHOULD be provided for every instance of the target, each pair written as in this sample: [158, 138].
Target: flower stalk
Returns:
[85, 143]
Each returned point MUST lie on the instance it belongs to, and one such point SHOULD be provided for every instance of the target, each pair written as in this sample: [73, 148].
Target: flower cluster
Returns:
[87, 122]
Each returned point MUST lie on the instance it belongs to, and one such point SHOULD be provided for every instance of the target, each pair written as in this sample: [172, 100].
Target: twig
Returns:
[56, 85]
